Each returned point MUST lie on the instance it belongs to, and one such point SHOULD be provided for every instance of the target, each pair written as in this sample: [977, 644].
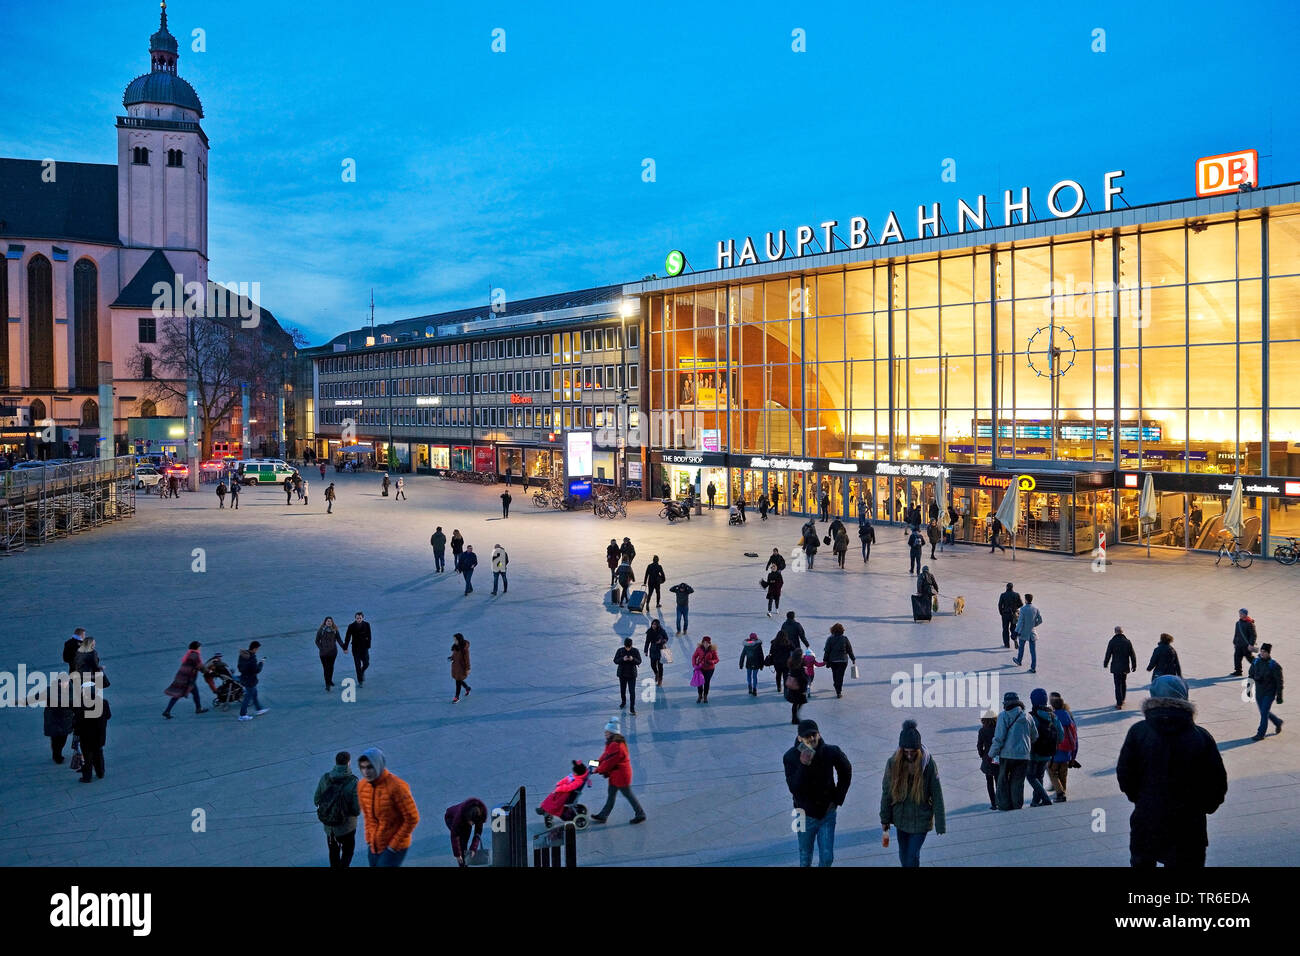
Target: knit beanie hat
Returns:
[1169, 685]
[613, 727]
[806, 728]
[1038, 697]
[910, 738]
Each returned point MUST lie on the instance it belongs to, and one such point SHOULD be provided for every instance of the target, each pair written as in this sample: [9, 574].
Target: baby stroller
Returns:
[222, 683]
[562, 804]
[734, 516]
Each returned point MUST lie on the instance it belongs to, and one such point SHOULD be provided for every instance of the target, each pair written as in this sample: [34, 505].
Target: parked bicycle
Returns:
[1239, 556]
[1287, 553]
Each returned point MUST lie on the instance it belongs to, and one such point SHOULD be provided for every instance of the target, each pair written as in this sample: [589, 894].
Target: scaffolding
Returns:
[40, 505]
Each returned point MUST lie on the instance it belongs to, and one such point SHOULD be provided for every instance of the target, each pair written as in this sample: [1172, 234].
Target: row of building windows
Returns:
[561, 346]
[569, 417]
[40, 323]
[565, 383]
[140, 157]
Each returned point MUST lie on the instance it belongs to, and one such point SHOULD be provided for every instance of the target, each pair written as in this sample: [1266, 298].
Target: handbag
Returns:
[792, 683]
[854, 671]
[480, 857]
[697, 678]
[77, 761]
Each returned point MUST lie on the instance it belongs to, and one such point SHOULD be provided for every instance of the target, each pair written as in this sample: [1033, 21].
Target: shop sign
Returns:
[683, 458]
[521, 399]
[484, 459]
[914, 471]
[339, 402]
[843, 466]
[428, 400]
[1227, 172]
[783, 464]
[1064, 200]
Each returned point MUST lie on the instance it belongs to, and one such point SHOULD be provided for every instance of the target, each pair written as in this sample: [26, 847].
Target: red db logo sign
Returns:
[1227, 171]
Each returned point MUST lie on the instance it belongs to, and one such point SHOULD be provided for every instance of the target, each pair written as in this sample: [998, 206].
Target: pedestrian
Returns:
[751, 662]
[837, 654]
[810, 544]
[322, 471]
[174, 483]
[1164, 659]
[927, 587]
[457, 548]
[1013, 734]
[740, 508]
[1045, 742]
[653, 580]
[824, 504]
[932, 532]
[186, 681]
[500, 560]
[297, 485]
[1067, 750]
[329, 499]
[306, 492]
[867, 535]
[796, 683]
[711, 491]
[810, 665]
[778, 656]
[90, 724]
[328, 642]
[911, 797]
[288, 490]
[704, 660]
[1244, 639]
[249, 668]
[818, 776]
[401, 489]
[358, 639]
[1171, 771]
[776, 560]
[467, 818]
[627, 552]
[994, 533]
[776, 500]
[625, 577]
[71, 646]
[950, 527]
[773, 583]
[60, 717]
[388, 808]
[683, 592]
[468, 562]
[763, 506]
[338, 808]
[1009, 605]
[1028, 619]
[1121, 659]
[840, 545]
[656, 639]
[459, 658]
[833, 529]
[505, 503]
[616, 765]
[221, 494]
[87, 660]
[915, 542]
[613, 557]
[626, 660]
[983, 742]
[795, 632]
[438, 541]
[1267, 675]
[384, 485]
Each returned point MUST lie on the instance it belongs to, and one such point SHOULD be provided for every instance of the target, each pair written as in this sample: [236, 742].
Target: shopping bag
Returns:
[697, 678]
[854, 671]
[667, 654]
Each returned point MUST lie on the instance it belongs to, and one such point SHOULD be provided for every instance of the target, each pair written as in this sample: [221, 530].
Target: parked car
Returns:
[178, 469]
[264, 472]
[147, 477]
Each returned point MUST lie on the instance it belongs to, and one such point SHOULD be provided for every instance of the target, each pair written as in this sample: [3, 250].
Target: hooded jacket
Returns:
[340, 777]
[814, 786]
[460, 661]
[386, 804]
[706, 659]
[1013, 734]
[1171, 770]
[751, 654]
[1244, 635]
[458, 822]
[615, 763]
[1120, 656]
[907, 814]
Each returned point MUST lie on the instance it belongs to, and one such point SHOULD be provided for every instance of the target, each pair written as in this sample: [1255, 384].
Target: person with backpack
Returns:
[837, 653]
[1067, 750]
[1009, 605]
[460, 665]
[653, 581]
[1045, 742]
[500, 561]
[911, 797]
[915, 542]
[1244, 639]
[1121, 659]
[438, 541]
[751, 662]
[465, 819]
[338, 808]
[1267, 675]
[656, 639]
[867, 535]
[388, 809]
[983, 741]
[1013, 734]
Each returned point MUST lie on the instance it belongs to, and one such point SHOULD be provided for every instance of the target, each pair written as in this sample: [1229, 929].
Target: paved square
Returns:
[709, 776]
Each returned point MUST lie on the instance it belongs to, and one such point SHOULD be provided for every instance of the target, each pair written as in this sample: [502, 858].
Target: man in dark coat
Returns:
[466, 565]
[505, 504]
[1170, 769]
[867, 535]
[627, 552]
[653, 580]
[357, 639]
[1267, 675]
[793, 630]
[915, 542]
[1008, 604]
[438, 541]
[1122, 660]
[775, 561]
[1244, 637]
[818, 775]
[994, 533]
[627, 659]
[91, 728]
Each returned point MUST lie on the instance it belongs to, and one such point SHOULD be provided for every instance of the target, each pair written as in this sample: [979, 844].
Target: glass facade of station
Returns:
[1169, 346]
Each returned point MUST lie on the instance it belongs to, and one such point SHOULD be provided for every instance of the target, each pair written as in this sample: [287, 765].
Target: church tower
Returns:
[162, 162]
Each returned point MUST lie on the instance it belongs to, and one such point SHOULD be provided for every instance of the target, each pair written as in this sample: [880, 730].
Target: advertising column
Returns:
[577, 463]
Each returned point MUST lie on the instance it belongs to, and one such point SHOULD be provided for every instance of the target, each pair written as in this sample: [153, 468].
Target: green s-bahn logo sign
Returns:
[675, 263]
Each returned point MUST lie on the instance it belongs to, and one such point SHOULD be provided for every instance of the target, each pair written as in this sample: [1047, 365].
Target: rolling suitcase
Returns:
[920, 608]
[636, 602]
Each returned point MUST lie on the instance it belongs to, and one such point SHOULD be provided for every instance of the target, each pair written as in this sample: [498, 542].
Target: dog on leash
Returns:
[959, 605]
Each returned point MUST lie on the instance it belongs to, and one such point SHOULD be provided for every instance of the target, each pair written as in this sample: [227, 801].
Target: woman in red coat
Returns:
[704, 660]
[615, 764]
[186, 681]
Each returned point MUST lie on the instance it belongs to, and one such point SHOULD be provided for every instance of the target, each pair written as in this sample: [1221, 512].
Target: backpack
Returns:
[1070, 740]
[331, 811]
[1052, 734]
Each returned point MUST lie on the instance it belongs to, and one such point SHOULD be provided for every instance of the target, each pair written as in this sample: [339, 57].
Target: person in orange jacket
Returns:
[615, 764]
[389, 811]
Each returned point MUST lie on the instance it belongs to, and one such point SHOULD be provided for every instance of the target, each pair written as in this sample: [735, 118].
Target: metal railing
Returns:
[40, 504]
[510, 831]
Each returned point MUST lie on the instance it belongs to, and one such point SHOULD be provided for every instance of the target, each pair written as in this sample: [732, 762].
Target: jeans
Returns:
[234, 501]
[1037, 765]
[250, 697]
[439, 561]
[1008, 622]
[361, 661]
[822, 831]
[751, 678]
[914, 561]
[341, 849]
[1265, 703]
[681, 617]
[1121, 687]
[626, 689]
[194, 690]
[1011, 783]
[327, 665]
[866, 551]
[837, 675]
[505, 582]
[1033, 652]
[469, 574]
[389, 857]
[613, 793]
[909, 848]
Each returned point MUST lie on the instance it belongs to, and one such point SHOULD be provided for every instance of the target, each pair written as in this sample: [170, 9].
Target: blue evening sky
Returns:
[523, 170]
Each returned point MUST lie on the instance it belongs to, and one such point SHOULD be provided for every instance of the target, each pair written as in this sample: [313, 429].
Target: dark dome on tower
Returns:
[162, 84]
